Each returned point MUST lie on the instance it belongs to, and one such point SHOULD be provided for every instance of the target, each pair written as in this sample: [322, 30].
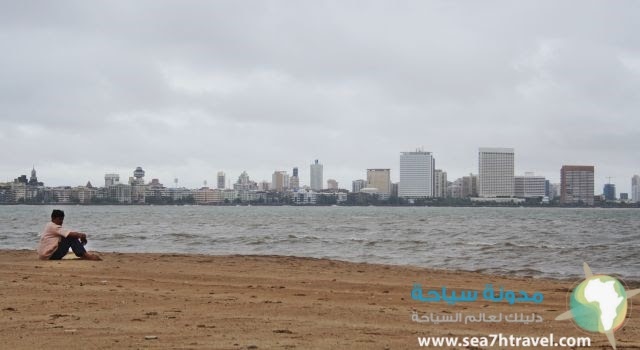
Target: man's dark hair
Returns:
[57, 213]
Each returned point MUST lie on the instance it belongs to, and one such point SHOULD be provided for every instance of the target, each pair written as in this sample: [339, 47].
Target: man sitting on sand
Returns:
[56, 241]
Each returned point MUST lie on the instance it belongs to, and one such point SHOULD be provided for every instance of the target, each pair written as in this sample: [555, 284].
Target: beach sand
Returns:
[257, 302]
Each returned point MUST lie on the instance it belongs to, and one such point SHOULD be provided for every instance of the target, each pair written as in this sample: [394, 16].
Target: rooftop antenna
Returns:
[609, 177]
[175, 182]
[205, 183]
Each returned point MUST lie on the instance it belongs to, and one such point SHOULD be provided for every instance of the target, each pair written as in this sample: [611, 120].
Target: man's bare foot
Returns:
[89, 256]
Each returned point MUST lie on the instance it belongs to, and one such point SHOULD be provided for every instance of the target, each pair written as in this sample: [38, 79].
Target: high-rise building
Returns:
[635, 189]
[222, 180]
[609, 192]
[111, 180]
[279, 181]
[379, 179]
[295, 180]
[394, 189]
[332, 184]
[495, 172]
[547, 188]
[21, 179]
[440, 180]
[244, 183]
[469, 186]
[33, 180]
[137, 186]
[138, 175]
[529, 186]
[554, 191]
[416, 174]
[576, 184]
[357, 185]
[454, 189]
[316, 176]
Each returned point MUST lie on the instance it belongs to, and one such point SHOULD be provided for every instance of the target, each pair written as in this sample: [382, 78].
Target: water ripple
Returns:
[538, 242]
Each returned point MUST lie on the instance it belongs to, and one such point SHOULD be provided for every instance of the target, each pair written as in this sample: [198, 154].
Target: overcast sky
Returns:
[186, 89]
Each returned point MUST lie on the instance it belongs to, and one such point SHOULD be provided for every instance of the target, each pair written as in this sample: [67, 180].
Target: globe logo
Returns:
[598, 304]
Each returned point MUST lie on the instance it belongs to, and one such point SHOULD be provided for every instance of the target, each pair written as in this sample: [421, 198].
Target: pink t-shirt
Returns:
[50, 239]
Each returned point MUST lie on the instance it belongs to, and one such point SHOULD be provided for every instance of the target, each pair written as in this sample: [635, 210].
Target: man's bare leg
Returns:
[90, 256]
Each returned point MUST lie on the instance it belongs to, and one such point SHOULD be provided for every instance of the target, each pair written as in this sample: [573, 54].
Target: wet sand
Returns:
[259, 302]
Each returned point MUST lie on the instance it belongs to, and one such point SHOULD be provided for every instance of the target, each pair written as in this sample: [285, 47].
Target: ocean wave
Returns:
[183, 235]
[544, 242]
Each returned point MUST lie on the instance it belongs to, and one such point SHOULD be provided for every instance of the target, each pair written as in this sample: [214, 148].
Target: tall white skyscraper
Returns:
[316, 176]
[495, 172]
[635, 188]
[416, 175]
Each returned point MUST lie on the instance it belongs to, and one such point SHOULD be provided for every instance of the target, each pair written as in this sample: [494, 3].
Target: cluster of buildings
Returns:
[495, 181]
[282, 189]
[136, 190]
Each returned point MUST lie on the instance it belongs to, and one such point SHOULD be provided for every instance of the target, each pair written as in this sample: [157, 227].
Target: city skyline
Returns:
[495, 169]
[216, 179]
[89, 90]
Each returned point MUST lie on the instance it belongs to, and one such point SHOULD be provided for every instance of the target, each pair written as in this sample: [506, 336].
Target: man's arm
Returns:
[78, 235]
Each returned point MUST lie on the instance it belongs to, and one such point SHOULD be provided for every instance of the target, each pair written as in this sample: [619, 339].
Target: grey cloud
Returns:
[188, 88]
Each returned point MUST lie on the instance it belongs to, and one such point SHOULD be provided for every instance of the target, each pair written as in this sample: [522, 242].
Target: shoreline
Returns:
[478, 205]
[629, 282]
[255, 302]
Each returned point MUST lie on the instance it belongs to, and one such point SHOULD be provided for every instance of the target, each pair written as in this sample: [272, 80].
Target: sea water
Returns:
[539, 242]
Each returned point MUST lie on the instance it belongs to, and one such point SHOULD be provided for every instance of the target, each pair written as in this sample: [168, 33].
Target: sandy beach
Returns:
[259, 302]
